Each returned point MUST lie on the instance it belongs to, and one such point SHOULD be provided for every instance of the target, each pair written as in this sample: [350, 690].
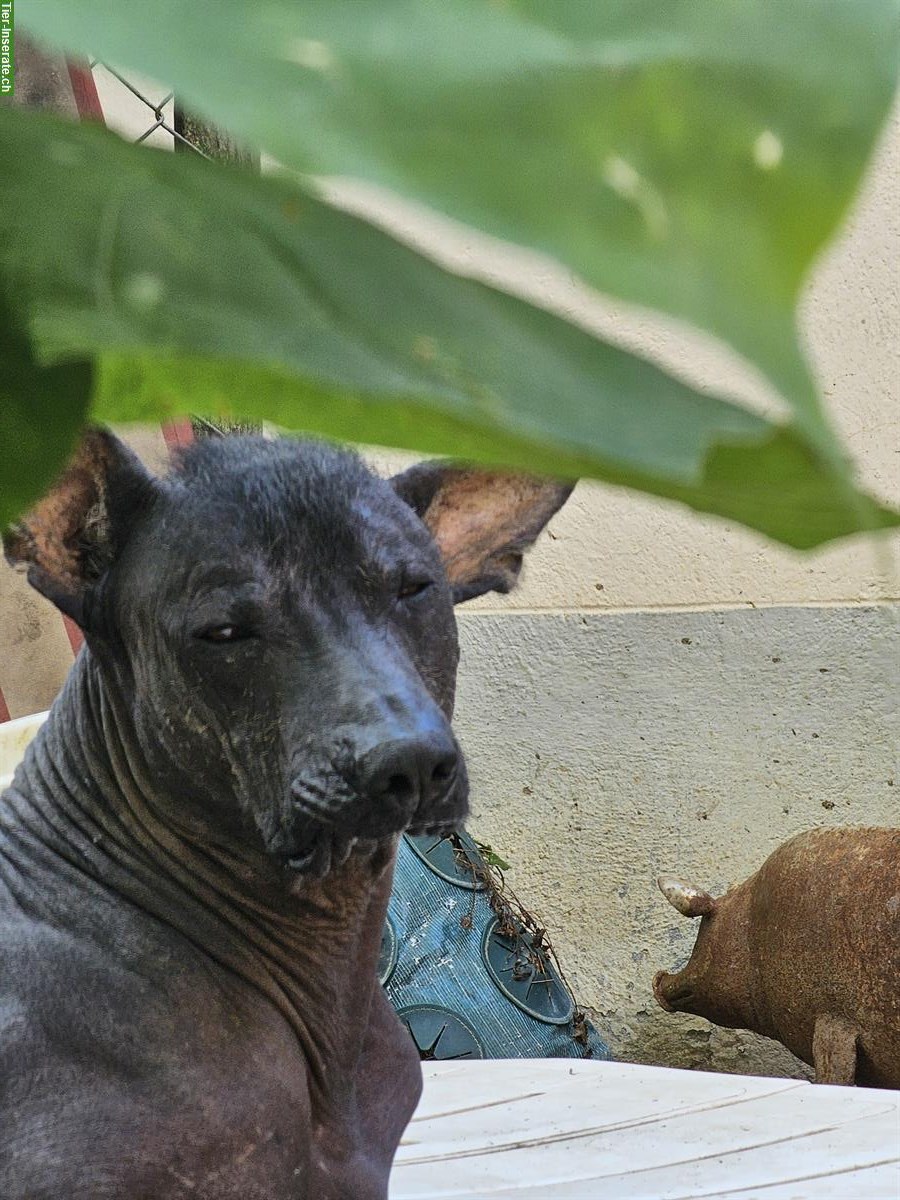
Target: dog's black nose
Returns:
[408, 772]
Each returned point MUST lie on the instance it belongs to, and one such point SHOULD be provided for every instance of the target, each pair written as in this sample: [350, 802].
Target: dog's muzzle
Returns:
[415, 785]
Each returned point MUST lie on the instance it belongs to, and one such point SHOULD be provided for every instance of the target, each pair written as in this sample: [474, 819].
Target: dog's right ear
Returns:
[73, 535]
[483, 522]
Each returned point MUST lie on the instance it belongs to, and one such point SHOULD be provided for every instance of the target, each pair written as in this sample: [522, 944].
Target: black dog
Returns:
[196, 854]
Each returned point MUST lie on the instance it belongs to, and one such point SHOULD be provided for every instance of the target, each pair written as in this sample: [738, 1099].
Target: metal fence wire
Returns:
[141, 111]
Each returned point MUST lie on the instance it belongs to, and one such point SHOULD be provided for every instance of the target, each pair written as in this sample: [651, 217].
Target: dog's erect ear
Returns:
[72, 536]
[482, 521]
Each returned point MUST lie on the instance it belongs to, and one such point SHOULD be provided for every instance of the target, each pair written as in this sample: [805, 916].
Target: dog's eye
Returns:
[410, 588]
[224, 633]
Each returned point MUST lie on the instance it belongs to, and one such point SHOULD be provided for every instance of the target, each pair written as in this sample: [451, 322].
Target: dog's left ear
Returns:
[482, 521]
[72, 536]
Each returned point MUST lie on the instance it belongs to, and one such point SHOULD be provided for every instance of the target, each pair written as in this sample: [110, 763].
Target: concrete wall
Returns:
[665, 691]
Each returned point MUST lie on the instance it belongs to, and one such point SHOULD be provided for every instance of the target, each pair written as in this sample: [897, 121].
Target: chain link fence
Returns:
[140, 110]
[147, 113]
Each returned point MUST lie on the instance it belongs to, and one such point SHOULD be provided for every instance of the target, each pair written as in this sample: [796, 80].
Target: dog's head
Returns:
[279, 622]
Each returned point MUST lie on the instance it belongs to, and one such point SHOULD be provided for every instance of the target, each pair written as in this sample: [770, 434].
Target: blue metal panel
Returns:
[463, 987]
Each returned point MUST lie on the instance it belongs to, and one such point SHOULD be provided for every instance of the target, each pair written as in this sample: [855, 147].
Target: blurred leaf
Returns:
[212, 291]
[41, 410]
[690, 155]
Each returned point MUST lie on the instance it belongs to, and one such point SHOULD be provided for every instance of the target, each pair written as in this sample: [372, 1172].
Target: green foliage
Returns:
[692, 156]
[41, 411]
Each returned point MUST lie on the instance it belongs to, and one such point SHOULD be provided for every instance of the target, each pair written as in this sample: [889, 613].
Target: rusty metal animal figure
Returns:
[196, 853]
[806, 951]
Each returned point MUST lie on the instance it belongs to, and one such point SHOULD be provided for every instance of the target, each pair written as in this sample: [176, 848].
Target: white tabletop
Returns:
[553, 1129]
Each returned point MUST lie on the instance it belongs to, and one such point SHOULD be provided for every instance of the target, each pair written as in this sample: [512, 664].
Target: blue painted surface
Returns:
[440, 972]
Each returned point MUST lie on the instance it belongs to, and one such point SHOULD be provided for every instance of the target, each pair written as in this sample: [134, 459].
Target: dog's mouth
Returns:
[324, 840]
[329, 851]
[437, 828]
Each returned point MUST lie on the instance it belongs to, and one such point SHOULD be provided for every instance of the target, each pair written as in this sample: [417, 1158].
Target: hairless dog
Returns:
[196, 853]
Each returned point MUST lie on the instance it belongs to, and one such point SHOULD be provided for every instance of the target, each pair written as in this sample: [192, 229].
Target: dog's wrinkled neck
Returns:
[83, 796]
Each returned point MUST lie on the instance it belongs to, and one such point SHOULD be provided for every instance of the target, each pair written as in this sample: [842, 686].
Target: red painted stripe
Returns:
[178, 433]
[84, 89]
[74, 634]
[4, 708]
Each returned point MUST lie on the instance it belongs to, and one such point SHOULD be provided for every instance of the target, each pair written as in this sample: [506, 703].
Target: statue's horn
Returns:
[689, 900]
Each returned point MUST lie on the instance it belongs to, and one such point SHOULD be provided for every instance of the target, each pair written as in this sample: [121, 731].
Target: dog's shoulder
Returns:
[103, 1072]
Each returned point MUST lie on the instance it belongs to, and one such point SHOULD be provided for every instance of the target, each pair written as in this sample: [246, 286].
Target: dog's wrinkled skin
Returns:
[196, 854]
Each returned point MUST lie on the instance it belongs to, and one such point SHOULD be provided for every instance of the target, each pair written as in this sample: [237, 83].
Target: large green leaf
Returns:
[691, 155]
[164, 266]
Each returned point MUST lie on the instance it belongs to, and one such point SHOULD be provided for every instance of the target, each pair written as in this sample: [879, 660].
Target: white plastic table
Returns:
[558, 1130]
[14, 737]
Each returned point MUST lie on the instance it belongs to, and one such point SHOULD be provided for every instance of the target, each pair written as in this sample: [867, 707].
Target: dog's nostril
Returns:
[443, 770]
[400, 787]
